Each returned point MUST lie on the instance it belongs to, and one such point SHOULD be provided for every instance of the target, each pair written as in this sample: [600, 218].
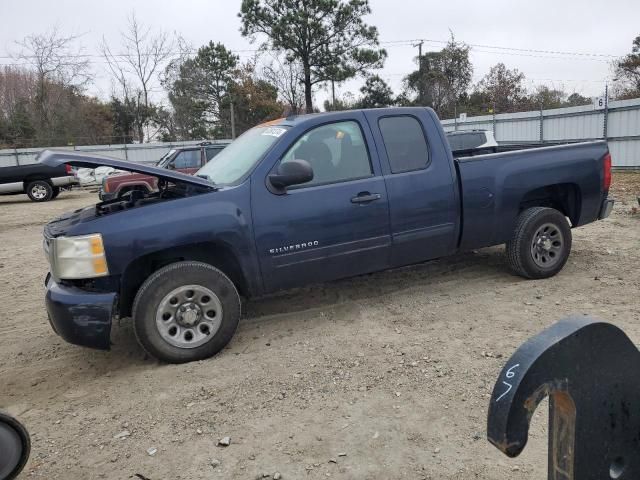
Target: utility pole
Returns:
[455, 117]
[606, 109]
[493, 120]
[233, 122]
[420, 79]
[333, 93]
[605, 132]
[542, 122]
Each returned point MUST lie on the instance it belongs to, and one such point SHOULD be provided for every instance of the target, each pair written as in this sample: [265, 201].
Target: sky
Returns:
[565, 44]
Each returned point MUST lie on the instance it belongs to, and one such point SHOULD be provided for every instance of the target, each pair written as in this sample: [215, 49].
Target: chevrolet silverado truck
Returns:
[40, 182]
[302, 200]
[186, 160]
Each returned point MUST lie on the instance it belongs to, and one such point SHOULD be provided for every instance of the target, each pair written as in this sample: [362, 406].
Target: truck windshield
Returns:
[237, 159]
[165, 158]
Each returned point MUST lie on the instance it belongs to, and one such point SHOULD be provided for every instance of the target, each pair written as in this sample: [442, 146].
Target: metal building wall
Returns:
[142, 152]
[619, 124]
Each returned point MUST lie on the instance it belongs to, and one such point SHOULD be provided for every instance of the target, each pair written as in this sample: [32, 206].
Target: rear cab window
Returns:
[405, 143]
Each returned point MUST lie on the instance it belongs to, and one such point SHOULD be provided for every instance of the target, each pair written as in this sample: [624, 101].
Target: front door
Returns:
[335, 226]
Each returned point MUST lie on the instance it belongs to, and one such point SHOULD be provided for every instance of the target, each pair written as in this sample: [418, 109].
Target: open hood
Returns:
[54, 158]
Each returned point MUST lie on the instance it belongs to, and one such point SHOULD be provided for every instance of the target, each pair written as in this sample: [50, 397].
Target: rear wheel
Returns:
[541, 243]
[186, 311]
[40, 191]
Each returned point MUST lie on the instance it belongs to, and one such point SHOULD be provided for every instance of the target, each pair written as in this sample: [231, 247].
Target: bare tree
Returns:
[137, 67]
[184, 51]
[627, 72]
[288, 78]
[15, 85]
[56, 60]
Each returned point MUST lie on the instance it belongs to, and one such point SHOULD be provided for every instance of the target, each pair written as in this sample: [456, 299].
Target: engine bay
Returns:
[138, 198]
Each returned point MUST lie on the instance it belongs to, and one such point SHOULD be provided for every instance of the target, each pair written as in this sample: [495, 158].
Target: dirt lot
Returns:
[383, 376]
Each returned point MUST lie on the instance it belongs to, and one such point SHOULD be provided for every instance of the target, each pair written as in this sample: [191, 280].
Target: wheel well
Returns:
[33, 178]
[564, 197]
[218, 255]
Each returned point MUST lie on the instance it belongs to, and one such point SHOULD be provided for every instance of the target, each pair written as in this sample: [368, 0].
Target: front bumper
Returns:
[605, 208]
[106, 196]
[79, 316]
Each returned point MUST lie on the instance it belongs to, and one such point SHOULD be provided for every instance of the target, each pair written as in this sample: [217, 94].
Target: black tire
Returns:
[15, 446]
[40, 191]
[155, 290]
[56, 192]
[526, 249]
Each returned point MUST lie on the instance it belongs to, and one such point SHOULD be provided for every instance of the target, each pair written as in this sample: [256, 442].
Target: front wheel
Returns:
[540, 244]
[186, 311]
[15, 445]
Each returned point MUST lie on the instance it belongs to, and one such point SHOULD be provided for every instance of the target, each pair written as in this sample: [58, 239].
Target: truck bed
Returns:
[496, 186]
[506, 147]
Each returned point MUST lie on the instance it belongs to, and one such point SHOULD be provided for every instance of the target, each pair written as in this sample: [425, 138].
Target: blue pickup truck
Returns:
[300, 200]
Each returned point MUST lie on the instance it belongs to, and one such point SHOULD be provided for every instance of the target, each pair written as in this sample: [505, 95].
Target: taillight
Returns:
[68, 169]
[606, 181]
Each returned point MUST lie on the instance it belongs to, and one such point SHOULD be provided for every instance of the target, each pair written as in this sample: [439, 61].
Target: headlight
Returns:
[78, 257]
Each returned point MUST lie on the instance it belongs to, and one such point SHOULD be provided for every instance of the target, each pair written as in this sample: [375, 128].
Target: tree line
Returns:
[162, 88]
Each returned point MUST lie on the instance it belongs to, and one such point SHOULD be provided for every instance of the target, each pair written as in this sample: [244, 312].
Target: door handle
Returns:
[366, 197]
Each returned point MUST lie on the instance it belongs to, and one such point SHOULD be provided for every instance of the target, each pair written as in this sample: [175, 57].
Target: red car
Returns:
[186, 160]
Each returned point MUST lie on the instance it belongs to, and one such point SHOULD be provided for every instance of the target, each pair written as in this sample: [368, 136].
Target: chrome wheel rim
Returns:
[189, 316]
[547, 245]
[39, 192]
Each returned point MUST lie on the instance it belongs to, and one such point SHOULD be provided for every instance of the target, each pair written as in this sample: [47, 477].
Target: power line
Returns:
[517, 54]
[133, 55]
[400, 43]
[499, 47]
[521, 54]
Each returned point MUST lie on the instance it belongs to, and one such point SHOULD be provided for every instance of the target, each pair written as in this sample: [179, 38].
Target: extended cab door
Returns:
[335, 226]
[421, 184]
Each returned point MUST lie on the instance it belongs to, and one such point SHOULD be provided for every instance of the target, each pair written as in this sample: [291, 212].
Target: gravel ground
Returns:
[382, 376]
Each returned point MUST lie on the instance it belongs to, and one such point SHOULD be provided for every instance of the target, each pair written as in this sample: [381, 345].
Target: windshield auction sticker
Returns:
[274, 132]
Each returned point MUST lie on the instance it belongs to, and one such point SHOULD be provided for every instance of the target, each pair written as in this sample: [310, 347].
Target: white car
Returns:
[93, 176]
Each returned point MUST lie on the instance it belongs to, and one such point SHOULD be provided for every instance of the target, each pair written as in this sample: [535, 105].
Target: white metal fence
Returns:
[139, 152]
[618, 123]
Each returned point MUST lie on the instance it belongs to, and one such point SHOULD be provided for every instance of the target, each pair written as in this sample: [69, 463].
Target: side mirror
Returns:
[15, 447]
[290, 173]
